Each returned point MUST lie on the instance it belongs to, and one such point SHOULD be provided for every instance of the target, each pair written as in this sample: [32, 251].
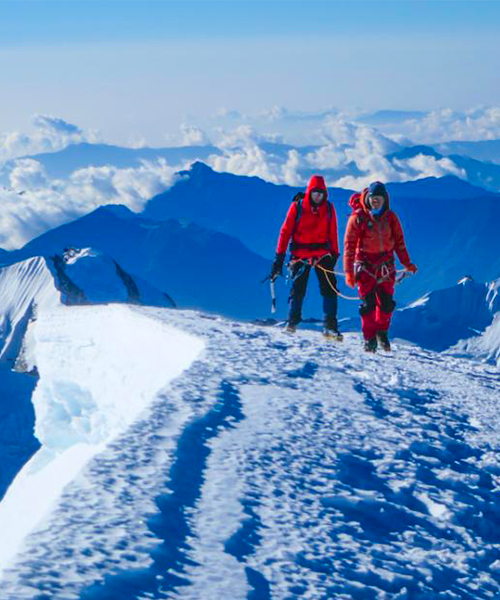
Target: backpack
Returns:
[357, 209]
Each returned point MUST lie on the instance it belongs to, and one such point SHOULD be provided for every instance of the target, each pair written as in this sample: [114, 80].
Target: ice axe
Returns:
[401, 276]
[273, 294]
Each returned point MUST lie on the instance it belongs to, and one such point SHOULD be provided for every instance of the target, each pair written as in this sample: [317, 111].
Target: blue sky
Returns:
[139, 69]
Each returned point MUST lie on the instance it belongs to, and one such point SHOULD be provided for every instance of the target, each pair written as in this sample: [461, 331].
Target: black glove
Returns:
[277, 268]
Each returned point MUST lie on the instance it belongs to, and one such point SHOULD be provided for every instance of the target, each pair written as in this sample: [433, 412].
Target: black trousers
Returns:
[299, 272]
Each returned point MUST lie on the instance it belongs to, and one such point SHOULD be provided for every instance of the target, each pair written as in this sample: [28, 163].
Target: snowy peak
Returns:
[23, 287]
[88, 276]
[441, 318]
[487, 345]
[79, 276]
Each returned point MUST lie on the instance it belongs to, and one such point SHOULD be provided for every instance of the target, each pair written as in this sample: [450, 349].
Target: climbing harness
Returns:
[386, 268]
[314, 262]
[401, 274]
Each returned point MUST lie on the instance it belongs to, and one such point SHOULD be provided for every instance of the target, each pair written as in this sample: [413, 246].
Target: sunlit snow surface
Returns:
[279, 467]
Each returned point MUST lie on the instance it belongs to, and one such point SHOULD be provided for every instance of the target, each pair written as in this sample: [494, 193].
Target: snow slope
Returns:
[274, 467]
[99, 368]
[22, 286]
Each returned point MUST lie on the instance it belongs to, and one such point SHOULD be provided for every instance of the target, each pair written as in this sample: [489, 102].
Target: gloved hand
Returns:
[277, 268]
[350, 280]
[412, 268]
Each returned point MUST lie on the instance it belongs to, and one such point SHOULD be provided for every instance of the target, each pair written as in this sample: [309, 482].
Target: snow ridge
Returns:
[99, 368]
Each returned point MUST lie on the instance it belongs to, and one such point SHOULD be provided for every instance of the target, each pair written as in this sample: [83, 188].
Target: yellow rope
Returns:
[341, 274]
[333, 287]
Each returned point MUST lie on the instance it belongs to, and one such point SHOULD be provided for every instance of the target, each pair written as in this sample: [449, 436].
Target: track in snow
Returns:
[285, 467]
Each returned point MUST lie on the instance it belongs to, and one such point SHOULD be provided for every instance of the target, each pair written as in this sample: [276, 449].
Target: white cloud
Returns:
[36, 204]
[351, 143]
[446, 124]
[244, 156]
[329, 156]
[249, 160]
[228, 113]
[418, 167]
[27, 174]
[353, 147]
[54, 125]
[240, 137]
[339, 132]
[50, 134]
[429, 166]
[193, 136]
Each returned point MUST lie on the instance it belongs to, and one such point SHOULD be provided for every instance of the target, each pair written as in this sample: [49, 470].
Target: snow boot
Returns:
[330, 327]
[290, 328]
[332, 334]
[383, 340]
[371, 345]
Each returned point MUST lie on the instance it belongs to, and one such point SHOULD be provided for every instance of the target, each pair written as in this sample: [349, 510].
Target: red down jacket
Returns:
[369, 239]
[315, 227]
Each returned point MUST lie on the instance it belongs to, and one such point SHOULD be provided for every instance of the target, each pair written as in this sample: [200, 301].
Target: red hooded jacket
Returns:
[315, 227]
[369, 239]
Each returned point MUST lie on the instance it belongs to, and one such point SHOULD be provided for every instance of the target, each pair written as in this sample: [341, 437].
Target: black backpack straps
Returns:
[298, 214]
[330, 210]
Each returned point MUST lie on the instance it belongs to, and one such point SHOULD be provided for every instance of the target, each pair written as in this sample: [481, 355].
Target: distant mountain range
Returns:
[209, 240]
[480, 160]
[384, 117]
[484, 150]
[449, 224]
[61, 164]
[199, 268]
[483, 174]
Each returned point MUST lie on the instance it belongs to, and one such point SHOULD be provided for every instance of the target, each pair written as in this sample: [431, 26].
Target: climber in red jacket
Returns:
[373, 235]
[311, 226]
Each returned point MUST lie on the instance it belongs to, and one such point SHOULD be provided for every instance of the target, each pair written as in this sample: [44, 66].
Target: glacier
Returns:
[263, 466]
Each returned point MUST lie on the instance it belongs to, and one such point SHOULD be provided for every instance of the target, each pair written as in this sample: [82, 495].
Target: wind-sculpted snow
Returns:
[280, 467]
[99, 368]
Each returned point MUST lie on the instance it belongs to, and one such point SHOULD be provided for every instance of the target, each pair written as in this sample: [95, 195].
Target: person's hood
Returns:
[364, 197]
[316, 183]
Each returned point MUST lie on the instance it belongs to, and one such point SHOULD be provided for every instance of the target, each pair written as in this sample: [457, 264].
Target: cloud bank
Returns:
[351, 155]
[341, 145]
[34, 203]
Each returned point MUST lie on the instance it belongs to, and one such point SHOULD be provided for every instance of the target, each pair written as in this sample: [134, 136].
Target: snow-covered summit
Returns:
[486, 346]
[77, 277]
[95, 277]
